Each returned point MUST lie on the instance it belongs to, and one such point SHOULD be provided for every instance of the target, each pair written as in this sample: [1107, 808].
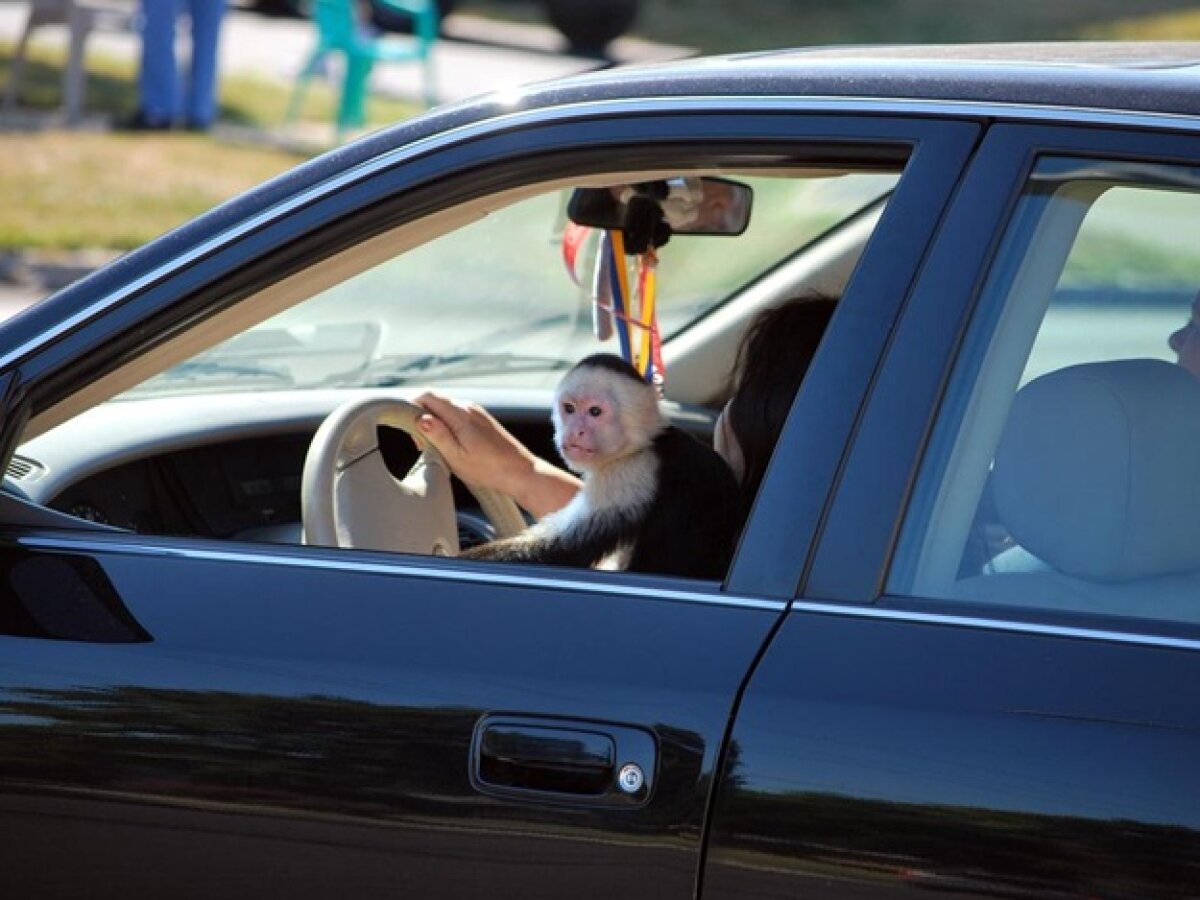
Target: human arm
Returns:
[479, 450]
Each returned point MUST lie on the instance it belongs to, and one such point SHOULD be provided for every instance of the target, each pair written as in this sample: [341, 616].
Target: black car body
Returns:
[908, 681]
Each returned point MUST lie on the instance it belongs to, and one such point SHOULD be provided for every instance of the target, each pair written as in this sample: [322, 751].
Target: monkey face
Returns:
[587, 430]
[602, 414]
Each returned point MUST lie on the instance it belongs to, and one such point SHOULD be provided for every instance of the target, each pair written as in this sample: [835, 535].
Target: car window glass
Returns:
[493, 302]
[217, 446]
[1062, 471]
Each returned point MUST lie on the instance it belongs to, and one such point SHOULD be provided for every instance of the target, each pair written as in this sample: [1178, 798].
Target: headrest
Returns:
[1098, 470]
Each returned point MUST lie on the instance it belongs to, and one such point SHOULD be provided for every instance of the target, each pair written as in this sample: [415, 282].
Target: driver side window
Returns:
[208, 436]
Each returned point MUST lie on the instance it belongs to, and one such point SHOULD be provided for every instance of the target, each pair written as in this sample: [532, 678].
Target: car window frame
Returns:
[91, 333]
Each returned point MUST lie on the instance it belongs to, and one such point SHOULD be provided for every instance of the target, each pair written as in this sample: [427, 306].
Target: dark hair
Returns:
[772, 360]
[610, 362]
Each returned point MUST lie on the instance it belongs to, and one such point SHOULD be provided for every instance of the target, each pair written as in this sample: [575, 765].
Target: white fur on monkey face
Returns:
[600, 416]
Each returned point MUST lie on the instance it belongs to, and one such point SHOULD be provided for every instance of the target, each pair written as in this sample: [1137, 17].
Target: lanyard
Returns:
[631, 314]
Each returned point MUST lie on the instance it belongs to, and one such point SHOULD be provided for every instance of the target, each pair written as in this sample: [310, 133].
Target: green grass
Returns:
[96, 188]
[66, 190]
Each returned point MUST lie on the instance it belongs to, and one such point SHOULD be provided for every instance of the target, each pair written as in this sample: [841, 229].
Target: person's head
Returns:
[772, 360]
[1186, 341]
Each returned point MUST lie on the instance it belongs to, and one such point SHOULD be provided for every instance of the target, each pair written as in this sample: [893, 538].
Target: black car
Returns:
[956, 646]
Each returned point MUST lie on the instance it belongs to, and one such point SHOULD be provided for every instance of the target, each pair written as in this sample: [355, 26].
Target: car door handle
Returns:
[561, 760]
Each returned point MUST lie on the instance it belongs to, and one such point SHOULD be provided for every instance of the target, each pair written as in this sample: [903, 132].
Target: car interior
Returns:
[1093, 479]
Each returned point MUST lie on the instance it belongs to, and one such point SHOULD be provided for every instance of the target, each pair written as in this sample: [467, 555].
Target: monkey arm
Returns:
[574, 537]
[526, 550]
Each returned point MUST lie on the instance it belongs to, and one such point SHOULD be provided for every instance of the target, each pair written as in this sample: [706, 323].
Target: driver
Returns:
[772, 360]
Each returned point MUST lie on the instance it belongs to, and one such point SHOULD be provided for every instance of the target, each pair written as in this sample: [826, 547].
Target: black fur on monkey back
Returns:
[688, 529]
[691, 528]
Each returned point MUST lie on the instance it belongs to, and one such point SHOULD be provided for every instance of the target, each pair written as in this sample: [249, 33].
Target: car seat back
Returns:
[1097, 479]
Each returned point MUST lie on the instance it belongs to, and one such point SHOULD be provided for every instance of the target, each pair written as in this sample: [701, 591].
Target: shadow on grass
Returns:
[41, 87]
[109, 94]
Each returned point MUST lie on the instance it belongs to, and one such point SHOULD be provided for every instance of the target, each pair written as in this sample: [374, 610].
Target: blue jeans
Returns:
[161, 99]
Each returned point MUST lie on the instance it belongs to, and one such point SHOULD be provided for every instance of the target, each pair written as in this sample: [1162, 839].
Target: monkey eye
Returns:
[594, 412]
[568, 408]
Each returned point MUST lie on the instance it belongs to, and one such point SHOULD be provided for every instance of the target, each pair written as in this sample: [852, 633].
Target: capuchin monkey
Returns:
[654, 498]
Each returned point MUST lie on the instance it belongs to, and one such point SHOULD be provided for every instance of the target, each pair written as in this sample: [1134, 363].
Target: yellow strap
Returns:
[649, 292]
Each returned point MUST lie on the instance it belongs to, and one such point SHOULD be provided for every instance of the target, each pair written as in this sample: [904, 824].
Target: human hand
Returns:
[480, 451]
[476, 447]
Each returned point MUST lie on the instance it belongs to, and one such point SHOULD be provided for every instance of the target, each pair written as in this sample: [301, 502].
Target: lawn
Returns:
[101, 189]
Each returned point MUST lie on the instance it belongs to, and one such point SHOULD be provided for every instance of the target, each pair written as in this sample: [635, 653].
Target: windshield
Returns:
[493, 301]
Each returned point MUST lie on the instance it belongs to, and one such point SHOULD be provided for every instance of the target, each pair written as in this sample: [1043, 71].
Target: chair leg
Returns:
[17, 71]
[75, 78]
[352, 111]
[300, 90]
[430, 77]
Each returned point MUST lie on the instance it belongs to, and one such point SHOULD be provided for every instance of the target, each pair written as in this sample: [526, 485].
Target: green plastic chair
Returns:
[341, 30]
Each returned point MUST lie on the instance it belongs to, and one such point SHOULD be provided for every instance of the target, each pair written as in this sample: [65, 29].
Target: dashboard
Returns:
[230, 466]
[235, 489]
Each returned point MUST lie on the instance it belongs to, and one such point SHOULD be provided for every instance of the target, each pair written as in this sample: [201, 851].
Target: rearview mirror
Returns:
[651, 211]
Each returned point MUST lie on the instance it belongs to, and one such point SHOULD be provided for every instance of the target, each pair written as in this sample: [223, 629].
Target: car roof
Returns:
[1154, 78]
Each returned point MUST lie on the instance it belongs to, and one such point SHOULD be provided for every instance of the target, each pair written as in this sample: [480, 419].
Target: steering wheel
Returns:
[348, 497]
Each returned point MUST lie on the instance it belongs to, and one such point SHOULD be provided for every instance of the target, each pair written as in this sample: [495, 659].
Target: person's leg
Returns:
[158, 77]
[206, 16]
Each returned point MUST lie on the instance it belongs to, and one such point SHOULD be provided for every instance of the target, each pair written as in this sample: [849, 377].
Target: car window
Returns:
[493, 302]
[1062, 472]
[220, 443]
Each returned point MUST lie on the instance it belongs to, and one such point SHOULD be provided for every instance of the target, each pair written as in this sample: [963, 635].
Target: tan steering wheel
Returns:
[349, 498]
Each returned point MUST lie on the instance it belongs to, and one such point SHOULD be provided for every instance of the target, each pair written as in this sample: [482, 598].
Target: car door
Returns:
[987, 683]
[192, 717]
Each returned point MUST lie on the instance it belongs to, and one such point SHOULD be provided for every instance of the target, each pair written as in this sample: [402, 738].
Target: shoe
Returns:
[139, 121]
